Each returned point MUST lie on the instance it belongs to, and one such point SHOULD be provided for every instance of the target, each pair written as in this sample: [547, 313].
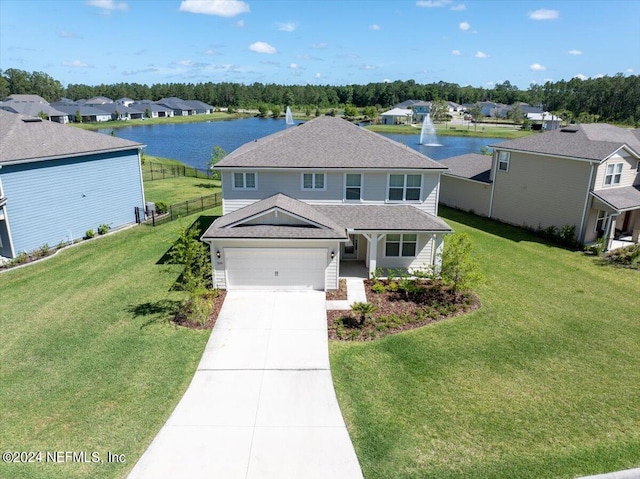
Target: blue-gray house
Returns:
[57, 182]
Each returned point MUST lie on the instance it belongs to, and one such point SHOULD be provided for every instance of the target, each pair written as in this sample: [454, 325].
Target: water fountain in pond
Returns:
[428, 133]
[288, 117]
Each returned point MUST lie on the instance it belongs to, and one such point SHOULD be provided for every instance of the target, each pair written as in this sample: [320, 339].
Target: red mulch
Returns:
[181, 320]
[396, 312]
[339, 294]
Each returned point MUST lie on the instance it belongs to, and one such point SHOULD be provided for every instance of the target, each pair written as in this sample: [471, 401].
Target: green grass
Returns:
[216, 116]
[177, 189]
[455, 130]
[542, 382]
[89, 361]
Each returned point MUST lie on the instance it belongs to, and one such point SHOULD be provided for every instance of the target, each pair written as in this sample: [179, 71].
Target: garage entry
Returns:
[276, 268]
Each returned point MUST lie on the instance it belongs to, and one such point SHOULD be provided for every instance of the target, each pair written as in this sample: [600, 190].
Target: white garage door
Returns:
[275, 268]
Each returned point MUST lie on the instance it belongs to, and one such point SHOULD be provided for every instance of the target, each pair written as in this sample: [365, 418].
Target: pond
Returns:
[191, 143]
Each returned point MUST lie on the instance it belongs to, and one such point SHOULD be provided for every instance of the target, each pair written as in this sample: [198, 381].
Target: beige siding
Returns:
[465, 195]
[541, 191]
[629, 174]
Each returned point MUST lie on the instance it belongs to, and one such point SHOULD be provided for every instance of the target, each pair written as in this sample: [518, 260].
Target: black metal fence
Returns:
[158, 171]
[178, 210]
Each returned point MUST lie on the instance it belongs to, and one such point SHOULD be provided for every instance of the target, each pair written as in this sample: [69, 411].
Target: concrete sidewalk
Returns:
[262, 403]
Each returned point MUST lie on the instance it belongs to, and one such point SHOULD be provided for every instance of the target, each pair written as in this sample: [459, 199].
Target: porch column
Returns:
[373, 253]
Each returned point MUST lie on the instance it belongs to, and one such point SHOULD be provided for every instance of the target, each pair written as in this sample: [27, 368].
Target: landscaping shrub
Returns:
[458, 268]
[188, 250]
[378, 287]
[103, 229]
[628, 256]
[364, 310]
[89, 234]
[161, 207]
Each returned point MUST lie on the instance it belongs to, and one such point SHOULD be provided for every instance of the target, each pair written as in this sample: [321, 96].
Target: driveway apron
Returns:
[261, 404]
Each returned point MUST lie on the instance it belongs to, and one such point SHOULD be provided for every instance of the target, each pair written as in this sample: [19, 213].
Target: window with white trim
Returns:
[404, 187]
[503, 160]
[601, 221]
[401, 245]
[613, 174]
[244, 181]
[313, 181]
[638, 167]
[353, 186]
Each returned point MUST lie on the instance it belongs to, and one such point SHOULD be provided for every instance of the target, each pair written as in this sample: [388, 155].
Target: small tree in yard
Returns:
[194, 255]
[458, 269]
[365, 310]
[217, 153]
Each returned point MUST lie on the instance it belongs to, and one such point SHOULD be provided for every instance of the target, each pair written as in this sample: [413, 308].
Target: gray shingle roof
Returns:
[596, 141]
[472, 166]
[24, 138]
[326, 142]
[31, 108]
[231, 224]
[624, 198]
[383, 217]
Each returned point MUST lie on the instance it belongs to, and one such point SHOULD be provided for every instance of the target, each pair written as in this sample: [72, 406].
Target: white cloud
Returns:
[240, 24]
[183, 63]
[629, 70]
[222, 8]
[456, 52]
[68, 35]
[489, 83]
[318, 75]
[319, 46]
[287, 27]
[210, 51]
[374, 27]
[480, 54]
[599, 75]
[432, 3]
[544, 14]
[262, 47]
[464, 26]
[293, 66]
[581, 76]
[458, 8]
[368, 67]
[574, 52]
[76, 64]
[536, 67]
[108, 5]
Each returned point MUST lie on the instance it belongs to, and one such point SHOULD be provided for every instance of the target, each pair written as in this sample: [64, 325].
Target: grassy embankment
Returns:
[541, 382]
[482, 130]
[216, 116]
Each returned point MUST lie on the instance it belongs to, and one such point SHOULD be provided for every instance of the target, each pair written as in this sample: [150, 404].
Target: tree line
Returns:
[609, 98]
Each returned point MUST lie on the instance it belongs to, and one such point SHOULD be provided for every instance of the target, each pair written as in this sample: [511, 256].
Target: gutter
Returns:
[582, 232]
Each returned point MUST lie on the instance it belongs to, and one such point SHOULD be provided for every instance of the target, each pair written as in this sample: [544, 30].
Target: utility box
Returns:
[150, 208]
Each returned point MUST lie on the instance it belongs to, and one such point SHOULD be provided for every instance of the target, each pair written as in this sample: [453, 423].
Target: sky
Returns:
[478, 43]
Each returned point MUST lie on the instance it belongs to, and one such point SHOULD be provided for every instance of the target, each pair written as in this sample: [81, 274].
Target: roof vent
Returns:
[32, 120]
[569, 129]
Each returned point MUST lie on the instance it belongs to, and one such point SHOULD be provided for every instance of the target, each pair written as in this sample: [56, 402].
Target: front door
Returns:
[350, 248]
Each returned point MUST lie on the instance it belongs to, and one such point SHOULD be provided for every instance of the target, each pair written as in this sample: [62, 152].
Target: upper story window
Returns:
[400, 245]
[613, 174]
[404, 187]
[353, 186]
[313, 181]
[503, 160]
[245, 181]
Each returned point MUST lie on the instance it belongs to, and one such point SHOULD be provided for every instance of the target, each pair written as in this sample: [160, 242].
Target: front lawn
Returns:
[541, 382]
[89, 359]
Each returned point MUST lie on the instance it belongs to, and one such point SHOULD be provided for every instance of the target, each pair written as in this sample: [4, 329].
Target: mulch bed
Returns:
[340, 294]
[181, 320]
[397, 311]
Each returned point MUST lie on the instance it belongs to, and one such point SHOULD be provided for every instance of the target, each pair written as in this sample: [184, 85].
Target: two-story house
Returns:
[587, 176]
[299, 201]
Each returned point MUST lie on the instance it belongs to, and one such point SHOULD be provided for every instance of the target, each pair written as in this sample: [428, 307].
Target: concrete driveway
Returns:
[262, 403]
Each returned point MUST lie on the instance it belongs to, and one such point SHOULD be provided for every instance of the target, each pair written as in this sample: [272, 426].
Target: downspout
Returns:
[581, 231]
[494, 167]
[141, 178]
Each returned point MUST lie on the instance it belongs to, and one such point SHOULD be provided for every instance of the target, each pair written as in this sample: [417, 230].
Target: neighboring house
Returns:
[33, 105]
[199, 107]
[397, 116]
[587, 176]
[98, 100]
[453, 107]
[58, 181]
[125, 101]
[546, 120]
[88, 113]
[299, 201]
[154, 110]
[121, 112]
[420, 110]
[179, 107]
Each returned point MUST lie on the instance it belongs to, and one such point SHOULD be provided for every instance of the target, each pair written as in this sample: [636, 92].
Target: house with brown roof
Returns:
[57, 182]
[587, 176]
[299, 202]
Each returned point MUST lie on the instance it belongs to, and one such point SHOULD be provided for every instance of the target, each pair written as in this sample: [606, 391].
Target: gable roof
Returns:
[232, 224]
[24, 138]
[325, 143]
[595, 141]
[621, 199]
[398, 112]
[31, 108]
[26, 98]
[472, 166]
